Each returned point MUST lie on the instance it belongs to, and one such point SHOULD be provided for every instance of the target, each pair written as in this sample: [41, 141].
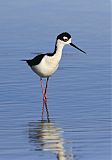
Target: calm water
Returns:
[79, 93]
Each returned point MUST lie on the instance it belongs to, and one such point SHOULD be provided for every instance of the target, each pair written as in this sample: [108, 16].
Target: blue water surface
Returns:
[78, 94]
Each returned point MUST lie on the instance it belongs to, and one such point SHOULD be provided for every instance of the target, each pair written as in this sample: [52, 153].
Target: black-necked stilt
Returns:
[45, 65]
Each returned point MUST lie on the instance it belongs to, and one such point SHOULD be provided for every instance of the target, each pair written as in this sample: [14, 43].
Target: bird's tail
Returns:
[23, 60]
[27, 61]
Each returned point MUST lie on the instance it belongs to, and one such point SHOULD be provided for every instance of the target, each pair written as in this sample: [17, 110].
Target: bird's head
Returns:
[65, 38]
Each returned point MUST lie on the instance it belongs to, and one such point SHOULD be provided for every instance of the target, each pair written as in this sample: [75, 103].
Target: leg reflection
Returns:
[46, 136]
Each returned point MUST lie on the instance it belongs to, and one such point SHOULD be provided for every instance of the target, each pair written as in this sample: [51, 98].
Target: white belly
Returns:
[46, 68]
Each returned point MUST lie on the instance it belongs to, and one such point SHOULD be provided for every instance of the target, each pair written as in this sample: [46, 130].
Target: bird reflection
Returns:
[47, 137]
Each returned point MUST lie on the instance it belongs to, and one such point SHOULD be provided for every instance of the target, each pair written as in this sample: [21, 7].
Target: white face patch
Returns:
[61, 43]
[65, 38]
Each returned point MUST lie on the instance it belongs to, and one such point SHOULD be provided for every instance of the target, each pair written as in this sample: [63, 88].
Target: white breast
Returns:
[47, 66]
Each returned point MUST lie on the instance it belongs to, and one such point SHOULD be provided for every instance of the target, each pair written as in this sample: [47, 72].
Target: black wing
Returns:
[36, 60]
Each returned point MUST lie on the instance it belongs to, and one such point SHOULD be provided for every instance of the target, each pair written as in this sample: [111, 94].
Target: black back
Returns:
[36, 60]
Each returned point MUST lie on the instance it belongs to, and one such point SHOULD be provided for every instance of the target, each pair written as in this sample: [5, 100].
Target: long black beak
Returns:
[73, 45]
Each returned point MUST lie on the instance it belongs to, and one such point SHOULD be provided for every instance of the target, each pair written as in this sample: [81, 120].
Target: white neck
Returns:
[58, 50]
[59, 46]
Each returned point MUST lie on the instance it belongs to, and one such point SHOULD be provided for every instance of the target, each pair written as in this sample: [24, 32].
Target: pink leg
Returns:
[47, 110]
[46, 89]
[44, 97]
[43, 111]
[43, 92]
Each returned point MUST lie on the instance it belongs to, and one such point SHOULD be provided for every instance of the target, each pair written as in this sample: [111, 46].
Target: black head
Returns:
[64, 36]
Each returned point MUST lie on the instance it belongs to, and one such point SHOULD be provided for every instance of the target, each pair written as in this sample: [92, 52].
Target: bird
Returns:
[45, 65]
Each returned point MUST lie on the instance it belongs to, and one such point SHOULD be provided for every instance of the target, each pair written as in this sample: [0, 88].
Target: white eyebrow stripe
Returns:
[65, 37]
